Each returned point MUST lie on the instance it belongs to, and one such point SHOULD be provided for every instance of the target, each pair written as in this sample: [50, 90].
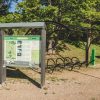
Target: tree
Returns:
[66, 19]
[90, 14]
[81, 15]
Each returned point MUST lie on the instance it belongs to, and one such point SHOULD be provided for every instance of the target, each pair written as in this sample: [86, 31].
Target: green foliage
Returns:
[34, 11]
[74, 14]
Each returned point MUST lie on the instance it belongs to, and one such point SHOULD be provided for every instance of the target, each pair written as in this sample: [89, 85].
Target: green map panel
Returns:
[11, 50]
[22, 50]
[36, 37]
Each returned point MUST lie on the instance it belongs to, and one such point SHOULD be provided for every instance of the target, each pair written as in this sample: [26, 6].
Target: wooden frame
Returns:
[42, 49]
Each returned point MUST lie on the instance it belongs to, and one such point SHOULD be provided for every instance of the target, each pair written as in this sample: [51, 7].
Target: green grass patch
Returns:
[79, 52]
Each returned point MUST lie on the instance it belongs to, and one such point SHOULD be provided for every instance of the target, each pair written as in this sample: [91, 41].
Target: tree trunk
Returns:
[10, 32]
[88, 48]
[50, 2]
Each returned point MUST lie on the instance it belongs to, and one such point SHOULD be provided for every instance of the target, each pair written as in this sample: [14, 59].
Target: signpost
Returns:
[25, 51]
[2, 67]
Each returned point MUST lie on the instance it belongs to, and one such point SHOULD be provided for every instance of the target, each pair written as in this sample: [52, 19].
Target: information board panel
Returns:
[22, 50]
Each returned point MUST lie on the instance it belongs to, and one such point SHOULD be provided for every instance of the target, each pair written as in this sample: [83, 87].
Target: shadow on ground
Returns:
[16, 73]
[87, 74]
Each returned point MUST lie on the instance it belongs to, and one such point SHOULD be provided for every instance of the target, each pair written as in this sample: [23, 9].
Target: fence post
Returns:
[92, 60]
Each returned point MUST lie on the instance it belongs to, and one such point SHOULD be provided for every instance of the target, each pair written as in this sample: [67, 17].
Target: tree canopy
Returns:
[64, 18]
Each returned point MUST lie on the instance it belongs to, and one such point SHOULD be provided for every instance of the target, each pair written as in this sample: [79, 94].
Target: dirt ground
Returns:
[83, 84]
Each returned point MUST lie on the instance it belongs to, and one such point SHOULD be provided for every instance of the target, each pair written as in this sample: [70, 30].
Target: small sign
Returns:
[22, 50]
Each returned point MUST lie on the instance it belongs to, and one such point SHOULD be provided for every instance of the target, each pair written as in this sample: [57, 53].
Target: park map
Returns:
[22, 49]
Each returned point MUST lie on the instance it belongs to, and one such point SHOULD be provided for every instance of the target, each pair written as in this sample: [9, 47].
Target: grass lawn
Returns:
[80, 53]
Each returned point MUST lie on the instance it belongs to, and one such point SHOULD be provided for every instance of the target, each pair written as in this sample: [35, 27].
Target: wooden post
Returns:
[2, 67]
[43, 49]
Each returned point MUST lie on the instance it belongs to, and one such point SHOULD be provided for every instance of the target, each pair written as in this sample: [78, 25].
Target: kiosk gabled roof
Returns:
[23, 25]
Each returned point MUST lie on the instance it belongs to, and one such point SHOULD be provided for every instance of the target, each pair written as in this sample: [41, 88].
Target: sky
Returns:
[13, 6]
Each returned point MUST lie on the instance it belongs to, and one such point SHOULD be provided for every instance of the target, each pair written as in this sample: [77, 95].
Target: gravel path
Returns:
[83, 84]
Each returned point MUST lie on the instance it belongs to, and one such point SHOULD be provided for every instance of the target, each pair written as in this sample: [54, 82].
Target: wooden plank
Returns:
[23, 25]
